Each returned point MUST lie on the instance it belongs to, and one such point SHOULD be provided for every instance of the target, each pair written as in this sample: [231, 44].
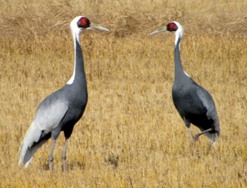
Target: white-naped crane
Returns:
[194, 103]
[61, 110]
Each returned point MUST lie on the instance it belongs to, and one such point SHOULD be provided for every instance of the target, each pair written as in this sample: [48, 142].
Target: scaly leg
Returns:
[51, 155]
[64, 155]
[196, 137]
[187, 124]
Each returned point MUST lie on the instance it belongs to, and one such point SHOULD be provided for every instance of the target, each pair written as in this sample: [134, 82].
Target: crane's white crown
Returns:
[73, 25]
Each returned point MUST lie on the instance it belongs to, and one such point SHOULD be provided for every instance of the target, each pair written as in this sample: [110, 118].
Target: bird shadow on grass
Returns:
[70, 166]
[112, 160]
[76, 164]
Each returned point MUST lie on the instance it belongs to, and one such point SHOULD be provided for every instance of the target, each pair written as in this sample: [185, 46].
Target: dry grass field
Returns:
[131, 134]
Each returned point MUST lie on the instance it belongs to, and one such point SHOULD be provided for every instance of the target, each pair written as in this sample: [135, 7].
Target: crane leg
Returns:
[51, 155]
[64, 155]
[196, 137]
[190, 133]
[187, 124]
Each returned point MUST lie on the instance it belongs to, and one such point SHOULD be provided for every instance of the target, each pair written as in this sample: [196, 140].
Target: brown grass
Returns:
[130, 134]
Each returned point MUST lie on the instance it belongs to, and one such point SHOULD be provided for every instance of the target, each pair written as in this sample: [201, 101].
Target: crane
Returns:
[61, 110]
[194, 104]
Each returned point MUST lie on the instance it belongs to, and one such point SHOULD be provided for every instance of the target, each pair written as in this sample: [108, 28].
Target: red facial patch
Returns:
[172, 27]
[83, 22]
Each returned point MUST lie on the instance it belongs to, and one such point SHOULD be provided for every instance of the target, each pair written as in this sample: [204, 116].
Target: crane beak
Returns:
[98, 27]
[163, 29]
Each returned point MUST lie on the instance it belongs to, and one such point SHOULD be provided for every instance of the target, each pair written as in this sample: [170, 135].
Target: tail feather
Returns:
[32, 141]
[27, 153]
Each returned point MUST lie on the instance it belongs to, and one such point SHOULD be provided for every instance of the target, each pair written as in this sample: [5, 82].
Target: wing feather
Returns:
[48, 116]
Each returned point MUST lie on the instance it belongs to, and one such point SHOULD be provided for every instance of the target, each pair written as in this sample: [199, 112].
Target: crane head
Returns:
[81, 23]
[172, 26]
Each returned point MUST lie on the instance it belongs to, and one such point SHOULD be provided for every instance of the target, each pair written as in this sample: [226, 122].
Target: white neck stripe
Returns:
[75, 38]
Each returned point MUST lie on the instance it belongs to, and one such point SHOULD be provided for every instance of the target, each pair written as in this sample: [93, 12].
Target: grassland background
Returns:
[130, 134]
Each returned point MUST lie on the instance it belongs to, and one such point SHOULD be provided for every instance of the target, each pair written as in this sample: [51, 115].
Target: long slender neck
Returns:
[79, 76]
[179, 72]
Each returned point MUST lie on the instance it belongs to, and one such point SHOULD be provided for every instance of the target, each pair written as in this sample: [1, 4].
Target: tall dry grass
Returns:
[130, 134]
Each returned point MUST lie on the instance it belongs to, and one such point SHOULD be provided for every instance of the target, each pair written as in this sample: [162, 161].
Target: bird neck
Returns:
[79, 72]
[179, 72]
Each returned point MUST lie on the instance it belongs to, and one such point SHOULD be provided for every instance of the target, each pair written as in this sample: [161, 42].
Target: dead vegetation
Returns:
[130, 134]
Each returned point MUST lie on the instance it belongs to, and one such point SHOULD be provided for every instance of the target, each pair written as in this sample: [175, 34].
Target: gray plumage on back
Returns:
[194, 104]
[48, 116]
[62, 109]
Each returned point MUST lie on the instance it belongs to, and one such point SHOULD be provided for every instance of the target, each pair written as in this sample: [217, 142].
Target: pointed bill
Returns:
[163, 29]
[98, 27]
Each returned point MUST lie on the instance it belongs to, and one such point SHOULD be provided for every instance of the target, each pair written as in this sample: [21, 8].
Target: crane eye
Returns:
[172, 27]
[83, 22]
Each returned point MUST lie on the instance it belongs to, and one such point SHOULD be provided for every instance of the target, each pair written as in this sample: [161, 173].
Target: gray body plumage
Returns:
[57, 112]
[61, 110]
[194, 104]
